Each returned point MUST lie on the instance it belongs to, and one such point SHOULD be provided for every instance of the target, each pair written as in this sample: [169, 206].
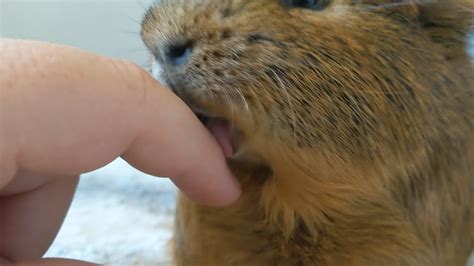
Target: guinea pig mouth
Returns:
[223, 131]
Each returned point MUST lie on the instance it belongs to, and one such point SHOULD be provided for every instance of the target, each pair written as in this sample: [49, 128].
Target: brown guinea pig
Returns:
[350, 125]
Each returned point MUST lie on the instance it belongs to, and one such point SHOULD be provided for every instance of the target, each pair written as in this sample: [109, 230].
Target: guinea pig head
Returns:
[315, 90]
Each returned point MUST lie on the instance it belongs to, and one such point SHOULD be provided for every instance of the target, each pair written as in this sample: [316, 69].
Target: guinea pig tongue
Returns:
[220, 129]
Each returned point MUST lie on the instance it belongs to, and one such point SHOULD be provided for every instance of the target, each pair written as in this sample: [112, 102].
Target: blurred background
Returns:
[104, 26]
[119, 215]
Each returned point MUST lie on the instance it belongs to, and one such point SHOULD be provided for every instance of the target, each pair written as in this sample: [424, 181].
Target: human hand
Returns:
[64, 112]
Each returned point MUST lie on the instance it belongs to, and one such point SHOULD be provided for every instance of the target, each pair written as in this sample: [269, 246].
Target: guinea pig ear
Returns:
[448, 23]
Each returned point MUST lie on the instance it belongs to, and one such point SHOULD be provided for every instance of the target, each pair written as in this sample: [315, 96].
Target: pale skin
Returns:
[63, 112]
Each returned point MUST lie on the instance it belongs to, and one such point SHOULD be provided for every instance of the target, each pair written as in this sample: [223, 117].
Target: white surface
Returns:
[119, 216]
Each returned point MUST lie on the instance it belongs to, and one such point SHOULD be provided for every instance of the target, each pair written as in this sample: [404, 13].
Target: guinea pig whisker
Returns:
[134, 20]
[387, 6]
[256, 100]
[134, 33]
[374, 92]
[244, 101]
[228, 99]
[288, 98]
[210, 95]
[466, 8]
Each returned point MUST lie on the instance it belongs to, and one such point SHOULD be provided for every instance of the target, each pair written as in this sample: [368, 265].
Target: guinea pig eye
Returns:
[310, 4]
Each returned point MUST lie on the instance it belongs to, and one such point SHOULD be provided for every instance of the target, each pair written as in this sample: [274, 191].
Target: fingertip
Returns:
[173, 142]
[216, 190]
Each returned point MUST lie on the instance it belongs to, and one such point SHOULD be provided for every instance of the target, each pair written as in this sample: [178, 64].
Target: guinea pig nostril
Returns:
[179, 54]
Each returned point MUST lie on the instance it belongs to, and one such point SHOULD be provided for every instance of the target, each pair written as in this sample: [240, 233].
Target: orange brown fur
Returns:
[357, 128]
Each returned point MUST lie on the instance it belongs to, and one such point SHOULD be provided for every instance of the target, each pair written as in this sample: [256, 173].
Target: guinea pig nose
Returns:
[178, 53]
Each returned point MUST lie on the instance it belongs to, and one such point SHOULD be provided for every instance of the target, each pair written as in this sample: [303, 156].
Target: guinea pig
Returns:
[349, 124]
